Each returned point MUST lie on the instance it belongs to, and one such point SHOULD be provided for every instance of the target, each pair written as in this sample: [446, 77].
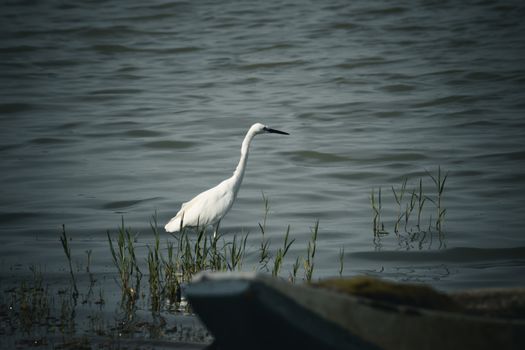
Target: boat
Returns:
[257, 311]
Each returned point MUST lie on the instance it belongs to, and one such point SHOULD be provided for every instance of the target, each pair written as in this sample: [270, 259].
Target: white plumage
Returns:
[209, 207]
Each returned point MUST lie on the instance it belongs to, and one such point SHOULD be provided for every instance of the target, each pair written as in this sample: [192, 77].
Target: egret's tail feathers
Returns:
[173, 225]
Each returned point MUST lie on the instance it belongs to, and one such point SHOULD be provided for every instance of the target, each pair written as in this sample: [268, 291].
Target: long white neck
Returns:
[238, 174]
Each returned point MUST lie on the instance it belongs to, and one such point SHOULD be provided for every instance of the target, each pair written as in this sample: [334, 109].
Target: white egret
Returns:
[209, 207]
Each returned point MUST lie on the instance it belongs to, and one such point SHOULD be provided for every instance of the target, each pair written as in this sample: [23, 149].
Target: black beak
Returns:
[273, 131]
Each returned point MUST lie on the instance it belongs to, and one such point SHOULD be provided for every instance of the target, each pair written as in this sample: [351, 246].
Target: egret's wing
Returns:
[180, 218]
[204, 209]
[185, 206]
[175, 222]
[190, 212]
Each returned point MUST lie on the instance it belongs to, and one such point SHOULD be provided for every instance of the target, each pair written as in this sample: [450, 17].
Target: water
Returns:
[124, 108]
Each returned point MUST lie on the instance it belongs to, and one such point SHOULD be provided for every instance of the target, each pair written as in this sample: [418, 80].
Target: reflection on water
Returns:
[451, 269]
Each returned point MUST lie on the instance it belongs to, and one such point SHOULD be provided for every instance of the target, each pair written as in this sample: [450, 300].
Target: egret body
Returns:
[209, 207]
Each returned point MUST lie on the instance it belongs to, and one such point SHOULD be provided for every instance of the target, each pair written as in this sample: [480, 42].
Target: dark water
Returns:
[111, 108]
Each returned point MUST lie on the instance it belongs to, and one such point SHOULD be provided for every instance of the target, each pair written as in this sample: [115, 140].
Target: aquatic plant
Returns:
[295, 267]
[439, 182]
[172, 285]
[92, 279]
[68, 304]
[199, 254]
[398, 196]
[308, 263]
[195, 250]
[264, 254]
[236, 252]
[341, 260]
[166, 269]
[67, 250]
[125, 261]
[377, 224]
[155, 269]
[407, 229]
[32, 301]
[281, 253]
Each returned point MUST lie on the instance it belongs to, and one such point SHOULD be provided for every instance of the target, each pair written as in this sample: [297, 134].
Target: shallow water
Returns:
[127, 108]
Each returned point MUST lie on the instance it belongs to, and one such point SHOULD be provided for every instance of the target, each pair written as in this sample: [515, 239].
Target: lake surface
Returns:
[127, 108]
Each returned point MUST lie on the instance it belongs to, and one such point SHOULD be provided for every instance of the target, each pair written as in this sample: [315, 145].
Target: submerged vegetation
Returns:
[125, 260]
[414, 220]
[154, 284]
[171, 267]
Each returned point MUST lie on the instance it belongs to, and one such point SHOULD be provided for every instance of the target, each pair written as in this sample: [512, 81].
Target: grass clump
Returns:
[170, 267]
[264, 253]
[281, 253]
[236, 250]
[125, 261]
[410, 210]
[377, 224]
[32, 301]
[67, 251]
[150, 276]
[155, 268]
[308, 263]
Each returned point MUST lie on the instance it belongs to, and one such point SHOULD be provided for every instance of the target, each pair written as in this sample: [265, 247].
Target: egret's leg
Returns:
[216, 229]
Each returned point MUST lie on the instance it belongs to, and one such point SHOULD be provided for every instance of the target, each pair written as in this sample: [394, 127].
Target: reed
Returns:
[420, 204]
[411, 209]
[378, 226]
[200, 250]
[217, 261]
[172, 285]
[192, 256]
[264, 252]
[67, 250]
[439, 182]
[236, 254]
[92, 279]
[167, 268]
[295, 268]
[281, 253]
[125, 261]
[33, 301]
[68, 304]
[398, 197]
[341, 260]
[155, 269]
[308, 263]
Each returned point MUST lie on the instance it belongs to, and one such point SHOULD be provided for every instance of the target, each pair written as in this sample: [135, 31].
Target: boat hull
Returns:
[257, 311]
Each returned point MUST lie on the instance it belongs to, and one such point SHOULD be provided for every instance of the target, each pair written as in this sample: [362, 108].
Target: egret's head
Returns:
[259, 128]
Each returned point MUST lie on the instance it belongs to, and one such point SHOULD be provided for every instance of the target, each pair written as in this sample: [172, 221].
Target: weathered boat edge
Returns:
[244, 312]
[371, 323]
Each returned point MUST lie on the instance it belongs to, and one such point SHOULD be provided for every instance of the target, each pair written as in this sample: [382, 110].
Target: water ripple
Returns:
[170, 144]
[461, 255]
[314, 157]
[445, 100]
[142, 133]
[16, 107]
[50, 140]
[126, 203]
[8, 217]
[271, 65]
[118, 48]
